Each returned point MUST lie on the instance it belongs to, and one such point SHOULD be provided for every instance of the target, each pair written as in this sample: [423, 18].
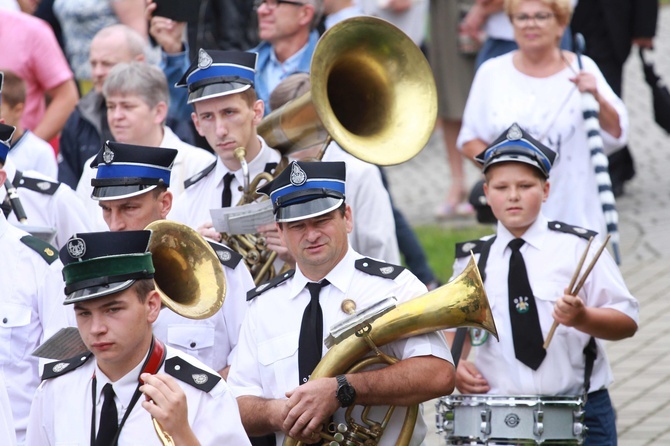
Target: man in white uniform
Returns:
[132, 377]
[270, 374]
[132, 189]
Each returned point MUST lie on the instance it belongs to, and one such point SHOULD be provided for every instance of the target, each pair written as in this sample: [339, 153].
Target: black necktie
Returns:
[526, 331]
[227, 194]
[310, 343]
[109, 418]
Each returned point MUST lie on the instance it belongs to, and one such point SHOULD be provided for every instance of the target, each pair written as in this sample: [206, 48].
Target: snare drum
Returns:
[484, 419]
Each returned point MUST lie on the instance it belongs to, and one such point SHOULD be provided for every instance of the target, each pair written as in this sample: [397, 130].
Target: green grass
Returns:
[439, 242]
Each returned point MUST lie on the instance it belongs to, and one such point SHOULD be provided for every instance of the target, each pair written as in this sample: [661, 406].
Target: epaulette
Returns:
[48, 252]
[377, 268]
[190, 374]
[574, 230]
[199, 176]
[35, 184]
[60, 368]
[463, 249]
[263, 287]
[226, 256]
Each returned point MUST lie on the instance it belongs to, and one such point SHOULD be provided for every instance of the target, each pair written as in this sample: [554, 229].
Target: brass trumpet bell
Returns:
[188, 276]
[372, 91]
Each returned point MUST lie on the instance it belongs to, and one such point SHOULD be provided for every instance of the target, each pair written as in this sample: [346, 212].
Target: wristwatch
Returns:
[345, 394]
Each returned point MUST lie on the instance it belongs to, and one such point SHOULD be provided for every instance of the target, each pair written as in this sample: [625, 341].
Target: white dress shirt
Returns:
[62, 410]
[551, 258]
[266, 361]
[31, 152]
[31, 310]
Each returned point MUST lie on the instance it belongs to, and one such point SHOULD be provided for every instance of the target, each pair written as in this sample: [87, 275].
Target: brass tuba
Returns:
[372, 91]
[460, 303]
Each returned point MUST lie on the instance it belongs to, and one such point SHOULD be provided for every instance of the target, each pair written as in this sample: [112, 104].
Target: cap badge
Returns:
[298, 176]
[76, 247]
[200, 378]
[386, 270]
[60, 367]
[204, 60]
[514, 133]
[107, 155]
[224, 256]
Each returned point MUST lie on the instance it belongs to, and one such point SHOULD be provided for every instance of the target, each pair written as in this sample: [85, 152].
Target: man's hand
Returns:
[167, 33]
[308, 407]
[166, 402]
[469, 380]
[569, 310]
[207, 230]
[274, 242]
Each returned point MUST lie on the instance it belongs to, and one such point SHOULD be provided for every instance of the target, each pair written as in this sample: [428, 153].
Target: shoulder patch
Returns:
[377, 268]
[463, 249]
[190, 374]
[226, 256]
[263, 287]
[199, 176]
[59, 368]
[574, 230]
[36, 184]
[48, 252]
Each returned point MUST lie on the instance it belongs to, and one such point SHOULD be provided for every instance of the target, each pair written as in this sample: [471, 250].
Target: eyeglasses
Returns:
[272, 4]
[539, 19]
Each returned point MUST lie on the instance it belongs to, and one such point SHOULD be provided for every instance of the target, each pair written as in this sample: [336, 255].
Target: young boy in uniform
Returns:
[527, 267]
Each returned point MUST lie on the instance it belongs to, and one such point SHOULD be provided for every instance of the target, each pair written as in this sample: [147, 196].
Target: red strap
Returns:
[156, 358]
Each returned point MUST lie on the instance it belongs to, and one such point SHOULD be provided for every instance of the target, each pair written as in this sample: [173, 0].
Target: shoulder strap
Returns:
[570, 229]
[45, 250]
[190, 374]
[226, 256]
[35, 184]
[60, 368]
[379, 269]
[199, 176]
[263, 287]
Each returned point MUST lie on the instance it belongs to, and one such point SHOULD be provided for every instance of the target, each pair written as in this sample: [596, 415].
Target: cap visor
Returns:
[97, 291]
[118, 192]
[216, 90]
[309, 209]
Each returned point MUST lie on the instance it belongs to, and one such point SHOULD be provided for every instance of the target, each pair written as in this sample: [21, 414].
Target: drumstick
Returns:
[579, 286]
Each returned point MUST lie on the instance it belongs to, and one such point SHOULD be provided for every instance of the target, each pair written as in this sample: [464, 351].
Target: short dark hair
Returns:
[143, 287]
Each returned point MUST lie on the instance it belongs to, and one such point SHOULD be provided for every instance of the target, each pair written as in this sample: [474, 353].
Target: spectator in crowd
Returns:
[30, 273]
[29, 152]
[130, 203]
[37, 58]
[140, 387]
[81, 20]
[408, 15]
[610, 29]
[539, 87]
[136, 95]
[530, 262]
[86, 128]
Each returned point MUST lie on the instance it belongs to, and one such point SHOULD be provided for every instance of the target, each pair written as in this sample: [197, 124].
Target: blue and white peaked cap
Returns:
[306, 189]
[6, 134]
[219, 73]
[515, 145]
[126, 170]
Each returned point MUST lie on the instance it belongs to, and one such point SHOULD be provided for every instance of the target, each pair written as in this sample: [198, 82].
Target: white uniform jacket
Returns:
[62, 411]
[266, 361]
[30, 152]
[31, 310]
[551, 257]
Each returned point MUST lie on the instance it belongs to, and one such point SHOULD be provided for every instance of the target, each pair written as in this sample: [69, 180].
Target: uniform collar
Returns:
[340, 277]
[124, 388]
[534, 235]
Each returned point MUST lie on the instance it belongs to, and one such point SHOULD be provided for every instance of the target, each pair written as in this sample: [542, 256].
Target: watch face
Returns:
[346, 395]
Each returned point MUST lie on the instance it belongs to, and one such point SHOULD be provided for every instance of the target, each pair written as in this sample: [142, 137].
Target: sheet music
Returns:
[242, 219]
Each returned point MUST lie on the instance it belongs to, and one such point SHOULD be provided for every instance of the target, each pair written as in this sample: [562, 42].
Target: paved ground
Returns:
[641, 391]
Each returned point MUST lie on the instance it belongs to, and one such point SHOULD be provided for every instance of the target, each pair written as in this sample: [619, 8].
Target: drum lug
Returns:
[578, 427]
[444, 417]
[485, 426]
[538, 426]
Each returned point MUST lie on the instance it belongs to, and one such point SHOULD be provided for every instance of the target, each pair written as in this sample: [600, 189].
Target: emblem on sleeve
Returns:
[468, 246]
[76, 247]
[204, 60]
[579, 230]
[298, 176]
[43, 185]
[60, 367]
[262, 287]
[200, 378]
[224, 256]
[387, 270]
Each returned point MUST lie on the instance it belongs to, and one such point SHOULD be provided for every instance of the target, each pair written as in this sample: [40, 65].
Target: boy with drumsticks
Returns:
[527, 267]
